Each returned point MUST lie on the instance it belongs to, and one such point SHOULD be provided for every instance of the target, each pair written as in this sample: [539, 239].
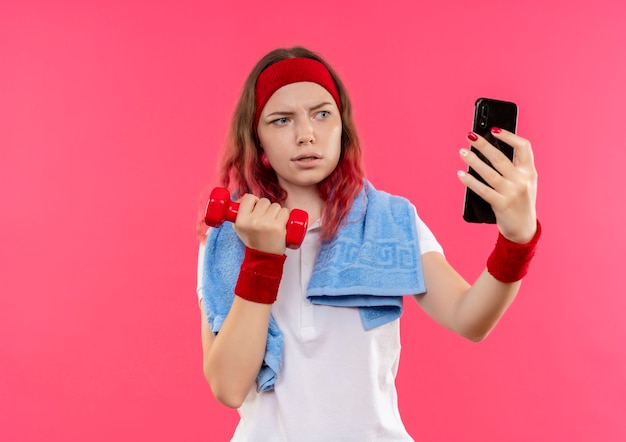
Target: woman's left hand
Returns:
[513, 191]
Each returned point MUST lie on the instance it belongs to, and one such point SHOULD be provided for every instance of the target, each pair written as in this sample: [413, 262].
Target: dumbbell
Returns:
[220, 208]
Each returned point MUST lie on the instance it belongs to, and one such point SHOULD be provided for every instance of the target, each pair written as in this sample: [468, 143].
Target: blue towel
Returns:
[373, 260]
[371, 263]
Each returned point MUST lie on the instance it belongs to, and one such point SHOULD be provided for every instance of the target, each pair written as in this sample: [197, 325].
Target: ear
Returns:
[265, 161]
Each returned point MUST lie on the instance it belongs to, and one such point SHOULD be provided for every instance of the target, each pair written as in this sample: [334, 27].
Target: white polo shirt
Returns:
[337, 382]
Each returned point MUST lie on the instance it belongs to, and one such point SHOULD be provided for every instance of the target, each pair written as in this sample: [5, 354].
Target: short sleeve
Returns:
[200, 270]
[428, 242]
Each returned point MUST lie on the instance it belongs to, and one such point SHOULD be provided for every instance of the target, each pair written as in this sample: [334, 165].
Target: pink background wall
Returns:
[111, 116]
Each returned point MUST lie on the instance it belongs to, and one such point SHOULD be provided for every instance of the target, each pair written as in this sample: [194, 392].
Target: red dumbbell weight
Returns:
[220, 208]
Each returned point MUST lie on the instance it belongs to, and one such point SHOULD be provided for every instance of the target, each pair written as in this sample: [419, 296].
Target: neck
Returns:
[307, 199]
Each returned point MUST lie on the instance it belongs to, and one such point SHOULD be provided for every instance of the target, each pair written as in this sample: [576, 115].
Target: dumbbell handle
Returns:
[220, 208]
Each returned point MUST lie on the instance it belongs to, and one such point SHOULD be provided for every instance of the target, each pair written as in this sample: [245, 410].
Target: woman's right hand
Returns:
[262, 225]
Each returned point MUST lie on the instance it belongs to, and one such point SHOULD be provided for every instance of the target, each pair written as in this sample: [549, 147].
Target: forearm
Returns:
[234, 358]
[470, 310]
[485, 302]
[482, 305]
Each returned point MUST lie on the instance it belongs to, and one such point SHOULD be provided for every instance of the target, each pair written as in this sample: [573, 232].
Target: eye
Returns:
[323, 114]
[280, 121]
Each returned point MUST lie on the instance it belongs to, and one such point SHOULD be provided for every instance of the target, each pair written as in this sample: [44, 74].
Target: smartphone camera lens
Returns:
[484, 115]
[484, 111]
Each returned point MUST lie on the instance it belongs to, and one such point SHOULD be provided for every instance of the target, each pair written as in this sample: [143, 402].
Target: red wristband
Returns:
[509, 261]
[259, 276]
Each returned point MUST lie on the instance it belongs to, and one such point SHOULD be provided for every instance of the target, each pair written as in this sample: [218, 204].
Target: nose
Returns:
[305, 134]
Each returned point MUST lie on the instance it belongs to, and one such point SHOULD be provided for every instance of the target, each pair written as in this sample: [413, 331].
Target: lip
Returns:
[308, 156]
[307, 160]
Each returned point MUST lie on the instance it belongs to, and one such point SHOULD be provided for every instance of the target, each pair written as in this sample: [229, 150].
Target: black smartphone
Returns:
[488, 113]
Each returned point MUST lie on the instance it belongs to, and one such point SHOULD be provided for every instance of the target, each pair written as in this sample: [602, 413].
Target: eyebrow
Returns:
[288, 113]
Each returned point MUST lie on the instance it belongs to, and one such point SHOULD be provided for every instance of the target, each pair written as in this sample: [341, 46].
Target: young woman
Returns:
[305, 342]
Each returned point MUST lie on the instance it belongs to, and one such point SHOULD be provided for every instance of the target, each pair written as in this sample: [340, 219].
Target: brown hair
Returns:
[241, 169]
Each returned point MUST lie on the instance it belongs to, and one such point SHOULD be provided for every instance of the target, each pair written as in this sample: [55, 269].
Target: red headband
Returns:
[287, 71]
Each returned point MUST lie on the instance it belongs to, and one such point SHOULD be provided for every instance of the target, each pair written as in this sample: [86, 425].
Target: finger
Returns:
[275, 209]
[485, 171]
[283, 215]
[481, 189]
[261, 206]
[521, 146]
[247, 203]
[278, 214]
[499, 161]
